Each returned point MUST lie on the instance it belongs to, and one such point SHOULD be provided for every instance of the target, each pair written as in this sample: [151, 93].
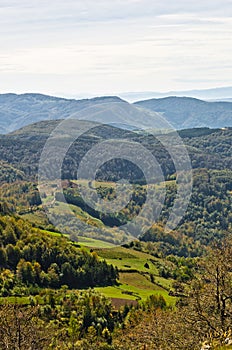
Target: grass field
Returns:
[135, 267]
[129, 292]
[128, 259]
[134, 278]
[93, 243]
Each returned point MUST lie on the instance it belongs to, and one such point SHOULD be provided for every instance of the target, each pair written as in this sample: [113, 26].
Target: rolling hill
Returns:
[207, 148]
[17, 111]
[186, 112]
[209, 151]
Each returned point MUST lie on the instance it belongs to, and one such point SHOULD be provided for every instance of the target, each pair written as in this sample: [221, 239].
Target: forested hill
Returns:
[187, 112]
[17, 111]
[181, 112]
[208, 215]
[34, 256]
[20, 151]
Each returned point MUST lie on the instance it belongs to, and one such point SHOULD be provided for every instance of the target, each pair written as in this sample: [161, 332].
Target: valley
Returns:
[89, 276]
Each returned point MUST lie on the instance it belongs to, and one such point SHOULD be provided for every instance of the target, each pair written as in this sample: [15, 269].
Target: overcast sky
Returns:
[74, 47]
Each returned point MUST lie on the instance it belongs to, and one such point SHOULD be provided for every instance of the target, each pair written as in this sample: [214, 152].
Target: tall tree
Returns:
[209, 306]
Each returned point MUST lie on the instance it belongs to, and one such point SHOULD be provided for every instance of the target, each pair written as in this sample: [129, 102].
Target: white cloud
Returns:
[114, 45]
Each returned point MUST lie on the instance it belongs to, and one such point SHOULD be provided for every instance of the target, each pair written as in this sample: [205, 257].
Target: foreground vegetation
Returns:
[30, 257]
[65, 319]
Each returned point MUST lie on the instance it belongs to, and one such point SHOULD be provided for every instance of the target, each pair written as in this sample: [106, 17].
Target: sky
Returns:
[77, 48]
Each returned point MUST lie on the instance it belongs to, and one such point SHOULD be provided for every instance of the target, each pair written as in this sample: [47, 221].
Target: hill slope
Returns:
[17, 111]
[186, 112]
[207, 214]
[207, 149]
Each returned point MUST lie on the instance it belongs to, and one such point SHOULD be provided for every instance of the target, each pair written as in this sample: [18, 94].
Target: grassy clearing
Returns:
[54, 234]
[141, 286]
[115, 292]
[165, 283]
[93, 243]
[135, 267]
[134, 277]
[129, 292]
[137, 280]
[63, 208]
[128, 259]
[83, 241]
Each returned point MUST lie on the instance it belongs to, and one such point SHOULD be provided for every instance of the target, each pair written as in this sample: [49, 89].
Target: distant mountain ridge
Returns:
[17, 111]
[188, 112]
[220, 93]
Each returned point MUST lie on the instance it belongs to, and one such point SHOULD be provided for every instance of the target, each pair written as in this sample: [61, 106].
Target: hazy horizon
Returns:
[212, 94]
